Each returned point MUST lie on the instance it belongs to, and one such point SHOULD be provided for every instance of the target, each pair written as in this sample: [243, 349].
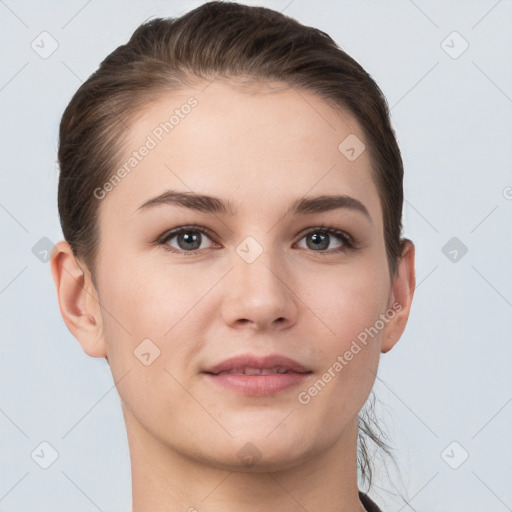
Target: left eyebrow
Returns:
[325, 203]
[209, 204]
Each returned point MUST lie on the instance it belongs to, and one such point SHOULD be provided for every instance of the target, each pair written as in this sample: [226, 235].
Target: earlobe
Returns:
[78, 300]
[403, 287]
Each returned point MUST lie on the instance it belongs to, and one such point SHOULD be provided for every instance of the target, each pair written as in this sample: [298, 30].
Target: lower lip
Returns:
[259, 385]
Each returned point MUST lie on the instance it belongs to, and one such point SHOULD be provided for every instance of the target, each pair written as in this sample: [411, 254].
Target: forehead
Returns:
[263, 143]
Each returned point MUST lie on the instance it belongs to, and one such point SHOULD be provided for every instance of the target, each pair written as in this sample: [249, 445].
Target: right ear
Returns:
[78, 300]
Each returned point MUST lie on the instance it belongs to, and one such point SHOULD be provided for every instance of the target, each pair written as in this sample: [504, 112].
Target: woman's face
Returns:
[266, 278]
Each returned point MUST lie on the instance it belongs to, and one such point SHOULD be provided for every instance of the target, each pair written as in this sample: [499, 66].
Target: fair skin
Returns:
[260, 151]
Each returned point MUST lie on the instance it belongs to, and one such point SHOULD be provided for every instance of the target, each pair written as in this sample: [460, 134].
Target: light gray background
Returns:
[449, 377]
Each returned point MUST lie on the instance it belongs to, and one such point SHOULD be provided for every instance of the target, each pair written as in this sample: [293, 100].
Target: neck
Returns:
[163, 480]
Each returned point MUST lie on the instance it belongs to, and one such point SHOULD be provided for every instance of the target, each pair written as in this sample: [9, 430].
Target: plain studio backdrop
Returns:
[445, 390]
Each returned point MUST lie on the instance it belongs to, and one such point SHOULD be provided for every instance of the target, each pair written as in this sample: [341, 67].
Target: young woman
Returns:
[231, 199]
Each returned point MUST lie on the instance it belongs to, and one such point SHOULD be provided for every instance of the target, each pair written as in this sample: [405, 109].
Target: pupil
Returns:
[320, 241]
[188, 239]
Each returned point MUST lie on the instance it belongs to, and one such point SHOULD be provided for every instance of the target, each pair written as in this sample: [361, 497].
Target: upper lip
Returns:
[252, 362]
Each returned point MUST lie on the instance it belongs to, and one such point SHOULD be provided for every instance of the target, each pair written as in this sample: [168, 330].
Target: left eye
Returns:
[320, 239]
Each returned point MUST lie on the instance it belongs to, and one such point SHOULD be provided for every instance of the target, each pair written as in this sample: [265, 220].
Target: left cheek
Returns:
[349, 308]
[352, 352]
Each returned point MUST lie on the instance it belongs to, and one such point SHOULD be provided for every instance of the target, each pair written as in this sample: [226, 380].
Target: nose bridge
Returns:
[258, 290]
[258, 265]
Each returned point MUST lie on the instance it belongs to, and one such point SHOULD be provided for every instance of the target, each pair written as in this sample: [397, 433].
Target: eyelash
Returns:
[349, 243]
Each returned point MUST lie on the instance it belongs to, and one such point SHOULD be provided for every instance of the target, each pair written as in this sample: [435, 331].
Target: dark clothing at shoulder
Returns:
[369, 505]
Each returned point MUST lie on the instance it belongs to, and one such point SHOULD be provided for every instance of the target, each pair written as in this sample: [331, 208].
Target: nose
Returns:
[260, 294]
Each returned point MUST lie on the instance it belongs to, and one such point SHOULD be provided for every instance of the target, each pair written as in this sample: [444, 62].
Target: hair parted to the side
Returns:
[217, 40]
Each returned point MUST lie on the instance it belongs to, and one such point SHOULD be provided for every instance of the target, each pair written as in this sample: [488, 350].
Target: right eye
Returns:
[185, 239]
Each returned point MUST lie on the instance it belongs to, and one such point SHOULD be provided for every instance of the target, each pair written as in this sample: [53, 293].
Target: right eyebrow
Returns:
[202, 203]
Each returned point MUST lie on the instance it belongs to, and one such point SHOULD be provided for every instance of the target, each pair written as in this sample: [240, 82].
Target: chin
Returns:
[261, 450]
[251, 459]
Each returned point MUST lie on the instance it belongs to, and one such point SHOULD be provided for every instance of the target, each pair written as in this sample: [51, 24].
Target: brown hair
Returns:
[216, 40]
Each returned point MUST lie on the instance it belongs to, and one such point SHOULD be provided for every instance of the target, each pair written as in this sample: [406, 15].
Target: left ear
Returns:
[403, 287]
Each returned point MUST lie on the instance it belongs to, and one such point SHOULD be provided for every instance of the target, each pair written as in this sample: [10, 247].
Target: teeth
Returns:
[255, 371]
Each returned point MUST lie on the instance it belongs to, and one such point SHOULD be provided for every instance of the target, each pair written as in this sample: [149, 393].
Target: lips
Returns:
[257, 376]
[253, 365]
[254, 371]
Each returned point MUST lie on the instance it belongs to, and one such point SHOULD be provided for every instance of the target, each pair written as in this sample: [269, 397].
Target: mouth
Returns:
[257, 376]
[255, 371]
